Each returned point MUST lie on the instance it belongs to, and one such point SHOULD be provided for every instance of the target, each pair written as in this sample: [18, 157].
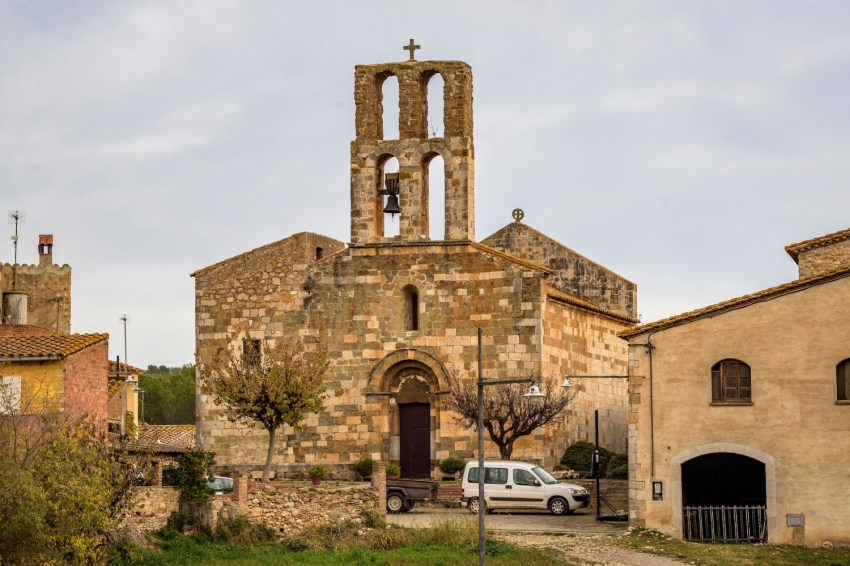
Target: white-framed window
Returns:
[10, 395]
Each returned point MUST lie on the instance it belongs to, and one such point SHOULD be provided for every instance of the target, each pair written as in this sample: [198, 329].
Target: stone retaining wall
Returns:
[292, 510]
[148, 509]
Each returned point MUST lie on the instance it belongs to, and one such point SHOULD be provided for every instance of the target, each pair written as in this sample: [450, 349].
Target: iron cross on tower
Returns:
[411, 47]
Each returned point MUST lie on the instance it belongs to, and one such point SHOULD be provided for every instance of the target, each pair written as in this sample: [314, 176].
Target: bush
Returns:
[170, 475]
[193, 472]
[579, 457]
[373, 519]
[317, 472]
[393, 470]
[240, 532]
[364, 467]
[452, 465]
[618, 467]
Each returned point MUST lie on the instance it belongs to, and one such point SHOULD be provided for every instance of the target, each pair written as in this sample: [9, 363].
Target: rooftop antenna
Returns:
[125, 319]
[16, 217]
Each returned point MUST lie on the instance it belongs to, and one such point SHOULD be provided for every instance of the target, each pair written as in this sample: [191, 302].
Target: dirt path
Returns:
[583, 549]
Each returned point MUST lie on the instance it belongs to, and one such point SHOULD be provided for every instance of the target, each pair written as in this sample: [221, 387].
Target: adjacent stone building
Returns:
[740, 411]
[399, 315]
[39, 295]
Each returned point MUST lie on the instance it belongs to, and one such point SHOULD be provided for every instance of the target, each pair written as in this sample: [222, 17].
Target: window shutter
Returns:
[843, 380]
[744, 390]
[730, 381]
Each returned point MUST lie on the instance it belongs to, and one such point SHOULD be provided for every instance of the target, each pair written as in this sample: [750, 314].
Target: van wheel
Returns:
[396, 503]
[473, 506]
[559, 506]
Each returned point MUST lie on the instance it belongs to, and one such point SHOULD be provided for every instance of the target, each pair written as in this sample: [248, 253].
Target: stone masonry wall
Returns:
[290, 510]
[581, 342]
[148, 509]
[827, 258]
[48, 291]
[352, 303]
[573, 273]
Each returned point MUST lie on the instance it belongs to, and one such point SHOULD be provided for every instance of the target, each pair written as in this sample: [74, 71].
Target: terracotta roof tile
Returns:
[124, 368]
[56, 345]
[795, 249]
[732, 304]
[166, 438]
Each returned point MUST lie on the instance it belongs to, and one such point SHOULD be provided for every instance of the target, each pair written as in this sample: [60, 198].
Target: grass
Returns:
[653, 542]
[452, 540]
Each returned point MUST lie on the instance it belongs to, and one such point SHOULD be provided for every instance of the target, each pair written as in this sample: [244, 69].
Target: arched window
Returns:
[435, 87]
[388, 91]
[731, 382]
[434, 195]
[411, 308]
[842, 380]
[388, 225]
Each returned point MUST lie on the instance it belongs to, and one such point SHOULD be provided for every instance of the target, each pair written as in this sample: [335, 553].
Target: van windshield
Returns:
[544, 476]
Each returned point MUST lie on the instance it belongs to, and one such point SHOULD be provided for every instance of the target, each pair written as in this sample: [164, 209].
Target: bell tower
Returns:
[414, 151]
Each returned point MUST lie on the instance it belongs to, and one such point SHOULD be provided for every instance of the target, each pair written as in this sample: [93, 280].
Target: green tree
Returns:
[272, 386]
[60, 482]
[169, 394]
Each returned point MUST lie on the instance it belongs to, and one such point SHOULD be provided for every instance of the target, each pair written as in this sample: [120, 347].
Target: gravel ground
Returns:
[583, 549]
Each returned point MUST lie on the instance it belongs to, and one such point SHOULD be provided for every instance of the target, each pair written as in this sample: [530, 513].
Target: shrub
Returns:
[364, 467]
[317, 472]
[296, 544]
[240, 532]
[194, 470]
[579, 457]
[618, 467]
[452, 465]
[393, 470]
[170, 475]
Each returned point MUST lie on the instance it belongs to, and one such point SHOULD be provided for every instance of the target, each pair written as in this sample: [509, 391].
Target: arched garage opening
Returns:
[724, 498]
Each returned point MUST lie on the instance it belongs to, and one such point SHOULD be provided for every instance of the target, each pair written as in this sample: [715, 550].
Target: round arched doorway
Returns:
[724, 498]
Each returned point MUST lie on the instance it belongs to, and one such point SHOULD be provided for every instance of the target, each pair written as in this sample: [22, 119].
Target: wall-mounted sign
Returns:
[657, 491]
[795, 520]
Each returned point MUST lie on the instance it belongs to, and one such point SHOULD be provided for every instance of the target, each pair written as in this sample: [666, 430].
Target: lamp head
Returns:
[567, 383]
[534, 395]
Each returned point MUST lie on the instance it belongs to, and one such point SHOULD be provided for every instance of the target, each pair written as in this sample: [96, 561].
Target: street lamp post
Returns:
[534, 395]
[595, 465]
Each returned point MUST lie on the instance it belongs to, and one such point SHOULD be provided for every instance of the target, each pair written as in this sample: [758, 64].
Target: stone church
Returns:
[399, 315]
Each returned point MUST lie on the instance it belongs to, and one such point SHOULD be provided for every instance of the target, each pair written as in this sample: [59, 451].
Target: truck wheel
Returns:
[396, 503]
[559, 506]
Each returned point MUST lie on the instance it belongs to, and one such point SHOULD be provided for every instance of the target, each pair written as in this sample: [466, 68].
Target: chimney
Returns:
[45, 250]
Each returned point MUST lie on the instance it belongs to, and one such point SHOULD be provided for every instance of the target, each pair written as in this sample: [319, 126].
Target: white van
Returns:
[518, 485]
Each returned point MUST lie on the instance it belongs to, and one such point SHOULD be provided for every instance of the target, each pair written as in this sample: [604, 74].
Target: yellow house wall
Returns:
[792, 344]
[40, 382]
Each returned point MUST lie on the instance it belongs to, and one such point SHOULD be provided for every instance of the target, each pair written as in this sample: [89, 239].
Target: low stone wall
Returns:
[291, 511]
[148, 509]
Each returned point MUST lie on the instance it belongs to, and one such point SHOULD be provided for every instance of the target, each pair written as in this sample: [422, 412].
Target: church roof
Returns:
[572, 300]
[795, 249]
[509, 257]
[52, 345]
[739, 302]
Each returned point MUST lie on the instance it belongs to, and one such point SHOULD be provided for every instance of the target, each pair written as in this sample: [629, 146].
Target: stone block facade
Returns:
[399, 316]
[48, 289]
[823, 259]
[147, 509]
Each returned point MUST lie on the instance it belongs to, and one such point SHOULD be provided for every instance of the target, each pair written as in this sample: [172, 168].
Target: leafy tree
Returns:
[273, 386]
[60, 482]
[508, 415]
[169, 394]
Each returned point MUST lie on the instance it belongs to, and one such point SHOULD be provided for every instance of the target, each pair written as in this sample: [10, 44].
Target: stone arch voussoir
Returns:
[378, 377]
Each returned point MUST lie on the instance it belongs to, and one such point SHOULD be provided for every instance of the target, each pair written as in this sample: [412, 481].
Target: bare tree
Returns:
[508, 415]
[273, 386]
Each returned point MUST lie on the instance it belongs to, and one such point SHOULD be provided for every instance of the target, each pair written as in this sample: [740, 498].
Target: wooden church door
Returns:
[415, 441]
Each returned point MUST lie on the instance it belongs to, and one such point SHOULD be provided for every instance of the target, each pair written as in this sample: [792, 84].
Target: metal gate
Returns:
[745, 523]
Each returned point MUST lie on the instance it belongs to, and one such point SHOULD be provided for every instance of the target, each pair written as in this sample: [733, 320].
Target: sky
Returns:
[680, 144]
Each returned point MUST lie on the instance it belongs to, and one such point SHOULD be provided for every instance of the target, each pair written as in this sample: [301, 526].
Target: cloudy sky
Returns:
[681, 144]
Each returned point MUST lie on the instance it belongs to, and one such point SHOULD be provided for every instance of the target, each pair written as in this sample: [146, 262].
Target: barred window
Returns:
[731, 381]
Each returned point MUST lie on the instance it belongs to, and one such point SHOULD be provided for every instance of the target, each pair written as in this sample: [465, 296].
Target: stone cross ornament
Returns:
[518, 214]
[411, 47]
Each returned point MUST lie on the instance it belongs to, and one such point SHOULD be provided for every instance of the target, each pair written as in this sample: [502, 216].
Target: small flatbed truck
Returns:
[402, 494]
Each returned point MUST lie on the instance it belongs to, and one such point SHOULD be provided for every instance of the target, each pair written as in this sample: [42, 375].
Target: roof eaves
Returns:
[794, 250]
[572, 300]
[509, 257]
[738, 302]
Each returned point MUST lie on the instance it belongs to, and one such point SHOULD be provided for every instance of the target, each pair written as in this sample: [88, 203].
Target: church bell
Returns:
[392, 205]
[392, 208]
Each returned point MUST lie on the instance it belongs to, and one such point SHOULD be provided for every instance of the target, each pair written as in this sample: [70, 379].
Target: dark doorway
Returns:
[415, 440]
[724, 498]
